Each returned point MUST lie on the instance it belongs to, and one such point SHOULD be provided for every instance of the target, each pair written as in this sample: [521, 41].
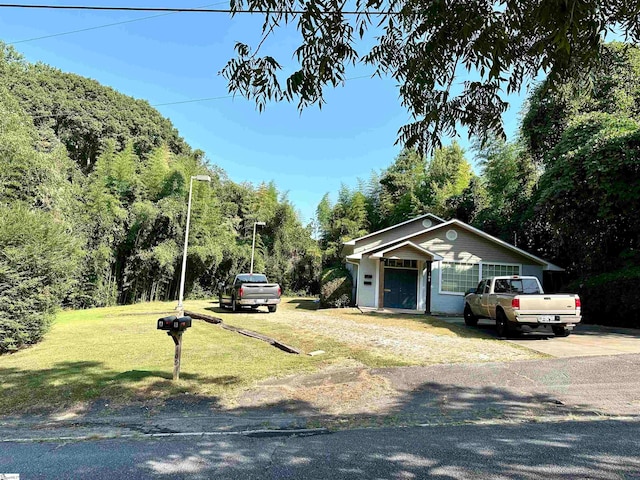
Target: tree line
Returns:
[93, 200]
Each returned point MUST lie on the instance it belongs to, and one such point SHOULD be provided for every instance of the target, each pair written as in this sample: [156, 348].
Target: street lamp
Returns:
[253, 244]
[200, 178]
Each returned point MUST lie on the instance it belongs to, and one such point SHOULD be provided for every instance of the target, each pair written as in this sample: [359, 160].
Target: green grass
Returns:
[117, 355]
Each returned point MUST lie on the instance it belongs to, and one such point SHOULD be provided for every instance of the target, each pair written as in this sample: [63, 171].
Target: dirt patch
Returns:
[331, 392]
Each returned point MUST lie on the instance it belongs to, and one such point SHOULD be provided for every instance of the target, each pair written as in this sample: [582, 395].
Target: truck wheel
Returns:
[561, 331]
[234, 306]
[272, 308]
[469, 318]
[502, 325]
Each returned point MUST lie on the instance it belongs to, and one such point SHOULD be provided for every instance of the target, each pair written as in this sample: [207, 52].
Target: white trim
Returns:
[380, 254]
[353, 242]
[545, 265]
[358, 285]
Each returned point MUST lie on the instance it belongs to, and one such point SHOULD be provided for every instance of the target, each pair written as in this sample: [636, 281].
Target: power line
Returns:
[194, 100]
[104, 26]
[187, 10]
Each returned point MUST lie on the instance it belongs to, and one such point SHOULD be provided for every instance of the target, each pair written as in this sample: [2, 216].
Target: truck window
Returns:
[530, 287]
[524, 286]
[255, 278]
[480, 288]
[501, 286]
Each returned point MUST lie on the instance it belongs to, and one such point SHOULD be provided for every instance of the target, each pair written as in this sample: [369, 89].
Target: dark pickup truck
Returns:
[250, 290]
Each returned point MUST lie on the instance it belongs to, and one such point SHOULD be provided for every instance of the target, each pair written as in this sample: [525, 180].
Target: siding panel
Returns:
[406, 253]
[468, 247]
[390, 235]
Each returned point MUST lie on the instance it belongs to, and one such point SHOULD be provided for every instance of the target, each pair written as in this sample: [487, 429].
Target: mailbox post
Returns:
[175, 327]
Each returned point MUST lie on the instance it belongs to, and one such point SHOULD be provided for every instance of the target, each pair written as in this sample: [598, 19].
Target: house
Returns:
[428, 264]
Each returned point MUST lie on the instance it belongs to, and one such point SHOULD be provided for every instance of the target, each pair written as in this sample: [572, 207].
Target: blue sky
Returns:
[177, 57]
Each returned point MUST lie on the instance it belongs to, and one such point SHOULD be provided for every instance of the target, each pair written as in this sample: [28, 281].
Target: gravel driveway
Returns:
[416, 339]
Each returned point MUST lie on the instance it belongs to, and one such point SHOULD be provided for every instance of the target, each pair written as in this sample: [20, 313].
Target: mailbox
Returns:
[166, 323]
[182, 323]
[174, 323]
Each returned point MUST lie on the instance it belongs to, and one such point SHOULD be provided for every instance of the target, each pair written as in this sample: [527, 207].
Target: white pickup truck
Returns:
[518, 303]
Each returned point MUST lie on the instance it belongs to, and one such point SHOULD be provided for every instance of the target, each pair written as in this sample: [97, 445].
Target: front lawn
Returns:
[117, 355]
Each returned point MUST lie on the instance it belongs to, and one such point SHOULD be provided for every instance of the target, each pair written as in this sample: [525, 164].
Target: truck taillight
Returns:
[279, 291]
[241, 292]
[515, 303]
[577, 302]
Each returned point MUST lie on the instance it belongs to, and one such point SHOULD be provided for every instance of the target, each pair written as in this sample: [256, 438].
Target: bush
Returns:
[611, 298]
[38, 261]
[336, 287]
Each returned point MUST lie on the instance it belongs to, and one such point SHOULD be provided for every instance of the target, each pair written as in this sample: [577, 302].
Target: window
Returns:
[522, 286]
[459, 277]
[495, 270]
[480, 288]
[392, 262]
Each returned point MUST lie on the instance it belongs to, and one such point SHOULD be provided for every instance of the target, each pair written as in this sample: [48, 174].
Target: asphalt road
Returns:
[574, 449]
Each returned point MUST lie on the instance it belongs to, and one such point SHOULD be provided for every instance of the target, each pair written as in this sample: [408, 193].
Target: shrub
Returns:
[611, 298]
[336, 286]
[38, 260]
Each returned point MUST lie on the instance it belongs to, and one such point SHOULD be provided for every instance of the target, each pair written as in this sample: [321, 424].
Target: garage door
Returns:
[400, 288]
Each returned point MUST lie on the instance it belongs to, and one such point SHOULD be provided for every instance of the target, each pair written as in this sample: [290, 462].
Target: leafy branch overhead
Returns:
[426, 46]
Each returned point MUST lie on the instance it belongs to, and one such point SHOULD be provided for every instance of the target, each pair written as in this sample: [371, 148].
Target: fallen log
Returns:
[248, 333]
[202, 316]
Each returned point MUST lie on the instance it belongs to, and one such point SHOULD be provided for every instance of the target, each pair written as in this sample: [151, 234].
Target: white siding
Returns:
[368, 294]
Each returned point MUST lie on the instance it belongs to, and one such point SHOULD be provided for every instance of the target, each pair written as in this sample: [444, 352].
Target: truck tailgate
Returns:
[557, 304]
[259, 290]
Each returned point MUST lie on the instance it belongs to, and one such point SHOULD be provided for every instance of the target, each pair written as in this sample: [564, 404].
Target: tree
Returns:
[448, 175]
[401, 185]
[613, 87]
[425, 47]
[589, 197]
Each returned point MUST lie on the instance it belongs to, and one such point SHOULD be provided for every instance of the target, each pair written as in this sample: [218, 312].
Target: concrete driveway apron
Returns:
[585, 340]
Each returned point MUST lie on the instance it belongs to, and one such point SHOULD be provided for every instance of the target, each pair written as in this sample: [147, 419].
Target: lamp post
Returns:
[200, 178]
[253, 244]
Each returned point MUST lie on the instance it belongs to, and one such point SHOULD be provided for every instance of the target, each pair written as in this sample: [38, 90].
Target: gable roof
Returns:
[379, 252]
[435, 217]
[546, 265]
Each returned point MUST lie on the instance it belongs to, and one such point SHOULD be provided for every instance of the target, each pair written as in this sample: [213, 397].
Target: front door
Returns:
[400, 288]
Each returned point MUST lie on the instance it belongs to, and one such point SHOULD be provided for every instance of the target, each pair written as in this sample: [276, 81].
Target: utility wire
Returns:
[195, 100]
[188, 10]
[104, 26]
[230, 96]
